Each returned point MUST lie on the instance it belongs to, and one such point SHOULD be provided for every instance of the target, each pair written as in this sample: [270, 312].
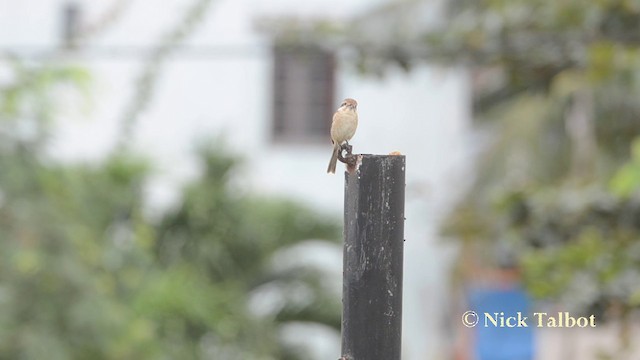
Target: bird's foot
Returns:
[346, 147]
[349, 158]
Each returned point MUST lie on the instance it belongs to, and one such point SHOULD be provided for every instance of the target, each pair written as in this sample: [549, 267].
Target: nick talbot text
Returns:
[538, 319]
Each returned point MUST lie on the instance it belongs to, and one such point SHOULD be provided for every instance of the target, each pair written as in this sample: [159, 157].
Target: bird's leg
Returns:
[340, 155]
[349, 158]
[346, 147]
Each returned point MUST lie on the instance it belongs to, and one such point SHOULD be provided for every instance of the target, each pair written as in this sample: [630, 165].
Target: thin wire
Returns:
[133, 52]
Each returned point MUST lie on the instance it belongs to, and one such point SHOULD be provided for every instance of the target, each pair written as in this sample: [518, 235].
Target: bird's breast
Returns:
[344, 125]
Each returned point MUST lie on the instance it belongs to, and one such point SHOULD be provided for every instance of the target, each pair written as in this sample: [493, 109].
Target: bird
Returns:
[343, 127]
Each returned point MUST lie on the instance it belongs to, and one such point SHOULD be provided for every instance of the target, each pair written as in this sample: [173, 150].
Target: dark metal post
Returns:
[373, 253]
[71, 24]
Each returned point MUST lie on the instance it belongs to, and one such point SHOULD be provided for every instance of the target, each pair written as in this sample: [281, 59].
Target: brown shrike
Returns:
[343, 127]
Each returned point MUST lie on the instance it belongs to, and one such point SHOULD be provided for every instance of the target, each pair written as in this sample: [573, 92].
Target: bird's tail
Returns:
[334, 160]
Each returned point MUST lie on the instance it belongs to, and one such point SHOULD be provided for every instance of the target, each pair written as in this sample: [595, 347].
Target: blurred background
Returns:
[162, 173]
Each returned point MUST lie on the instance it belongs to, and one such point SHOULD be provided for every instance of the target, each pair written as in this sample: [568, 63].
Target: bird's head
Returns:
[349, 103]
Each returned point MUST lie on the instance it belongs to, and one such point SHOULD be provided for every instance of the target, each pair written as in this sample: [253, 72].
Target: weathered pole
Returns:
[373, 256]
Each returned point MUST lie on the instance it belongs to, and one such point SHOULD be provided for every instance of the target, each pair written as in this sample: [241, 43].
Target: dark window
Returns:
[303, 93]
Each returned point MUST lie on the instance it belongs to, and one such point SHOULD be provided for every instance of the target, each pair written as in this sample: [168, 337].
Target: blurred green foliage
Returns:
[86, 273]
[556, 85]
